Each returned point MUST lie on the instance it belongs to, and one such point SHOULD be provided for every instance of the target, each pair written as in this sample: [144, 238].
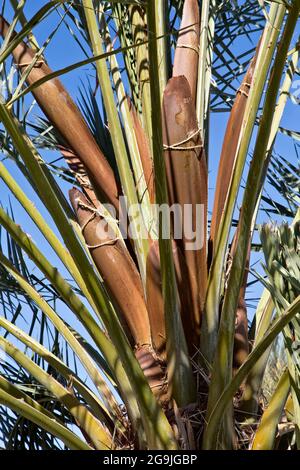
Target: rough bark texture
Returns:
[79, 172]
[187, 184]
[155, 370]
[62, 112]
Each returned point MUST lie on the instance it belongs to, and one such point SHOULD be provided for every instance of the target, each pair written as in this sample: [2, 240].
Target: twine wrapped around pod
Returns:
[187, 49]
[65, 116]
[123, 283]
[115, 265]
[187, 186]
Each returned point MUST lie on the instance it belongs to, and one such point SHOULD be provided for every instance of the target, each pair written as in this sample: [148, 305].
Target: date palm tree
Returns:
[129, 339]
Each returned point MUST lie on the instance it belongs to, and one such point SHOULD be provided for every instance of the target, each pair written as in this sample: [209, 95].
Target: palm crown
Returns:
[159, 324]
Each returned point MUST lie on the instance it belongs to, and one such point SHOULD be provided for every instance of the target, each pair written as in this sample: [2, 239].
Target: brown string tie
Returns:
[179, 146]
[94, 213]
[27, 64]
[188, 46]
[243, 92]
